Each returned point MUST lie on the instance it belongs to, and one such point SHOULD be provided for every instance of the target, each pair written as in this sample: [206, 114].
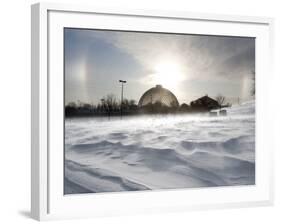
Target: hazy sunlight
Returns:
[168, 74]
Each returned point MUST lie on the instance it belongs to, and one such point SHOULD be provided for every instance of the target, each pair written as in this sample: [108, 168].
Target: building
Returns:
[158, 100]
[184, 108]
[158, 95]
[204, 103]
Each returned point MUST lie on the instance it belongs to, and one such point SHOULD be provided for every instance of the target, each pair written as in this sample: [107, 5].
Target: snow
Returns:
[160, 152]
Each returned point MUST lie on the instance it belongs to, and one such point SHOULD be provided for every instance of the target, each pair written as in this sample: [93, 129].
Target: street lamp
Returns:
[121, 108]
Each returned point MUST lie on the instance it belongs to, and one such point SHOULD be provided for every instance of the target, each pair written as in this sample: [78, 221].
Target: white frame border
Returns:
[40, 104]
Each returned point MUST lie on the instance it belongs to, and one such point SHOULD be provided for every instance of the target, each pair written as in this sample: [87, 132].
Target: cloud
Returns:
[209, 63]
[202, 57]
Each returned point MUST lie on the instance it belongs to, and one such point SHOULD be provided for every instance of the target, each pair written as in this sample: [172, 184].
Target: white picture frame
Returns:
[47, 199]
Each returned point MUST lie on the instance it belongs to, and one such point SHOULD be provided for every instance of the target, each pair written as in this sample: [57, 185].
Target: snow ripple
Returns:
[146, 153]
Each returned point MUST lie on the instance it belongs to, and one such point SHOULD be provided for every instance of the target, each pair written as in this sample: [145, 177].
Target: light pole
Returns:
[121, 106]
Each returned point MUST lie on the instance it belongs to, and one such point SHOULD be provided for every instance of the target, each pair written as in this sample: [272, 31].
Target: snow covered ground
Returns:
[160, 152]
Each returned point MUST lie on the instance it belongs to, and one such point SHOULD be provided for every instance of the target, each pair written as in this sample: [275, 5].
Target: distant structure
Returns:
[184, 108]
[204, 103]
[158, 94]
[158, 100]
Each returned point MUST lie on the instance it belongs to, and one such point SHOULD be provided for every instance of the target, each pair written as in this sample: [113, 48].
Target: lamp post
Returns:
[121, 106]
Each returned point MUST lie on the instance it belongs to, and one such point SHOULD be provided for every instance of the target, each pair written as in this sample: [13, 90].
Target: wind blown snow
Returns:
[160, 152]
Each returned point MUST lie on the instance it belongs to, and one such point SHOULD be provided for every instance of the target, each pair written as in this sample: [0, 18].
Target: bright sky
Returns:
[189, 65]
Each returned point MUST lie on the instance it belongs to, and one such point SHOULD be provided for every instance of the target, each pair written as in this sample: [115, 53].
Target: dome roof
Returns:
[158, 94]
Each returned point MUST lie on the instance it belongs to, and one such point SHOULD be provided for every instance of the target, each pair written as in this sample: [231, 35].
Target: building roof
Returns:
[206, 98]
[206, 102]
[158, 94]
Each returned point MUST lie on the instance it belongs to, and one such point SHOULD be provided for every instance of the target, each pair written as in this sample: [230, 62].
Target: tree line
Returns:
[108, 105]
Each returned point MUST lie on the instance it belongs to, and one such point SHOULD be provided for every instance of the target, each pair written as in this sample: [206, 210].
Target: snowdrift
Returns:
[160, 152]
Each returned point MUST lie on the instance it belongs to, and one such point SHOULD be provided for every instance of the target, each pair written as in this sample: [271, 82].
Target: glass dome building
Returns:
[158, 95]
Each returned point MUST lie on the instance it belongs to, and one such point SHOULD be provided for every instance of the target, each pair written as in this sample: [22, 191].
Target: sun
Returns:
[168, 74]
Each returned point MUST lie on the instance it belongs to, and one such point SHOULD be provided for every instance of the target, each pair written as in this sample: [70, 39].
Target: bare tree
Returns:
[70, 109]
[125, 104]
[72, 104]
[110, 103]
[132, 102]
[220, 99]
